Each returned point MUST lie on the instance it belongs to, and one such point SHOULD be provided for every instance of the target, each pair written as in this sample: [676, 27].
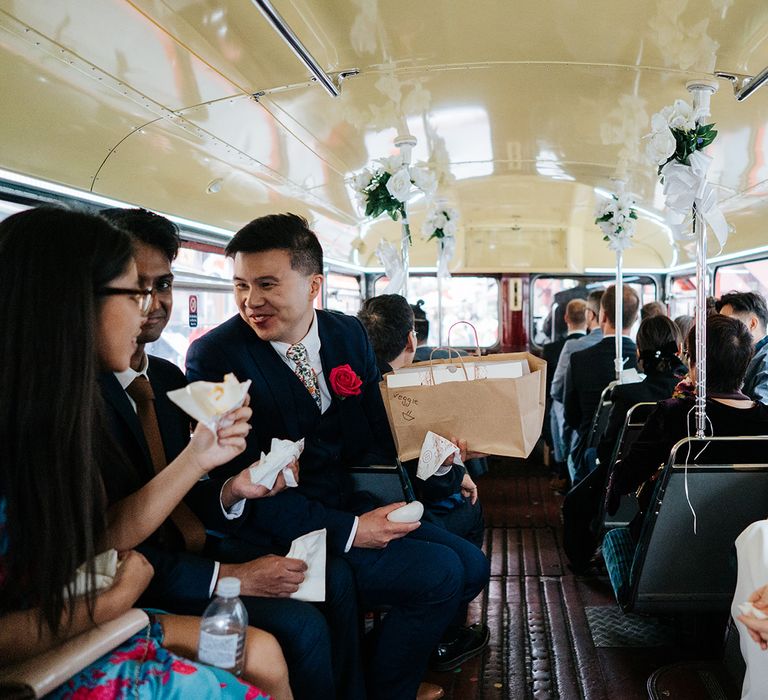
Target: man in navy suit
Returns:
[593, 369]
[187, 564]
[314, 376]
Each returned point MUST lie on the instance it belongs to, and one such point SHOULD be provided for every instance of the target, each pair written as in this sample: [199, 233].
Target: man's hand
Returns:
[465, 452]
[469, 489]
[374, 531]
[267, 577]
[241, 486]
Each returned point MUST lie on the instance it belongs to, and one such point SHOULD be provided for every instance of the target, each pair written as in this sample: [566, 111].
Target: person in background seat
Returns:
[651, 309]
[658, 357]
[421, 328]
[187, 563]
[751, 310]
[593, 369]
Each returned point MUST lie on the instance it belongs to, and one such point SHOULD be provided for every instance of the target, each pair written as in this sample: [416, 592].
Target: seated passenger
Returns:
[52, 512]
[684, 324]
[651, 309]
[658, 350]
[421, 327]
[729, 411]
[185, 569]
[751, 310]
[593, 369]
[314, 376]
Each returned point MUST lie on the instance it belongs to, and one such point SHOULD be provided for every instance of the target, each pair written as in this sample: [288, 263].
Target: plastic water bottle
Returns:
[222, 629]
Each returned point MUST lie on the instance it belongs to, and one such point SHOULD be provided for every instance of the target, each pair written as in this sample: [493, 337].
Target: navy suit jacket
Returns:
[589, 372]
[180, 577]
[283, 408]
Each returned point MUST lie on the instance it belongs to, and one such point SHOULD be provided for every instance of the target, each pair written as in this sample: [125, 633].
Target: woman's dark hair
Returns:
[288, 232]
[729, 350]
[148, 228]
[658, 342]
[52, 263]
[420, 322]
[388, 319]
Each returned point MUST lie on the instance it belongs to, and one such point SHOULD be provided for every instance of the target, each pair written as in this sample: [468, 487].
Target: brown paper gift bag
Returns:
[495, 416]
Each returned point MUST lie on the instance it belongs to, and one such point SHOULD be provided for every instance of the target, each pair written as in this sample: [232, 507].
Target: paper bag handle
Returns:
[474, 330]
[450, 350]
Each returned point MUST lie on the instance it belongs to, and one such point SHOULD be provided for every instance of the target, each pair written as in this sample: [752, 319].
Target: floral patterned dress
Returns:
[140, 668]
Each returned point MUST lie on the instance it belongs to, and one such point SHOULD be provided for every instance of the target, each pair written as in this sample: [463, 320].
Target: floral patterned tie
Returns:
[304, 371]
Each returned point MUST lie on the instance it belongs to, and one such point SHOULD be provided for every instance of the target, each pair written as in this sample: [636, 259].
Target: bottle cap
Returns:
[228, 587]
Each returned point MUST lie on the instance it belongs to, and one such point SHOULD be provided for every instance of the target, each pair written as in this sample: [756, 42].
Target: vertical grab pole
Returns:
[619, 312]
[702, 92]
[405, 144]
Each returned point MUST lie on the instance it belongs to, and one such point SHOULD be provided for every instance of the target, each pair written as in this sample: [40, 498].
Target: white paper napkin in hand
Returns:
[434, 451]
[105, 569]
[207, 402]
[281, 454]
[310, 548]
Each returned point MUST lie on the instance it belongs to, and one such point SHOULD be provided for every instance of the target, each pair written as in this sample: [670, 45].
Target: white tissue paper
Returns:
[748, 609]
[434, 451]
[207, 402]
[310, 548]
[105, 569]
[281, 454]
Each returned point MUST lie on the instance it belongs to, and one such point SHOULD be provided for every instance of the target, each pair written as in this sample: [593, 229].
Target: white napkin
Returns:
[434, 451]
[310, 548]
[105, 570]
[207, 402]
[281, 454]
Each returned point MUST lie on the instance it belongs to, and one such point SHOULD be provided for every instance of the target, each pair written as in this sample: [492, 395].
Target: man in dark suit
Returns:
[314, 376]
[187, 565]
[591, 370]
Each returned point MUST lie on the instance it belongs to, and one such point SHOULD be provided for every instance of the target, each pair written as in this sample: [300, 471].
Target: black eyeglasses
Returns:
[142, 297]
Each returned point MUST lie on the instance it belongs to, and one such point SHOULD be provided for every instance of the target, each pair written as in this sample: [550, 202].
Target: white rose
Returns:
[450, 228]
[440, 221]
[659, 121]
[681, 116]
[392, 164]
[424, 179]
[660, 146]
[399, 185]
[628, 227]
[606, 227]
[361, 180]
[452, 214]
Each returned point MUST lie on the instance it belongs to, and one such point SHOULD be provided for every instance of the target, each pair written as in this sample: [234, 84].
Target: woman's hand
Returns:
[210, 451]
[134, 573]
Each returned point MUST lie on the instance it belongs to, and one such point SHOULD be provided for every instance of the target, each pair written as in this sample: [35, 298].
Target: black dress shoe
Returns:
[469, 642]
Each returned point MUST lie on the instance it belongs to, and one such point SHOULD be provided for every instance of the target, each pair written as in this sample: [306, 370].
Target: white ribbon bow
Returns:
[393, 266]
[446, 247]
[686, 185]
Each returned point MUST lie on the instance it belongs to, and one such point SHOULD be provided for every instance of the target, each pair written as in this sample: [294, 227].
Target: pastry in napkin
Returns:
[105, 569]
[281, 454]
[310, 548]
[434, 451]
[207, 402]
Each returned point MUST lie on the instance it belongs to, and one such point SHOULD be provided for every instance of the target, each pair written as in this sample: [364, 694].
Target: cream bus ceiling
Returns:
[524, 109]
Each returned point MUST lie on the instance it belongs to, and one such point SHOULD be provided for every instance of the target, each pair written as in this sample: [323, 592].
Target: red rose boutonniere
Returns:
[345, 382]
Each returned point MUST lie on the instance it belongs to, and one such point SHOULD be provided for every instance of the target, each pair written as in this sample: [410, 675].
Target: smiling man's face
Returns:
[154, 270]
[273, 298]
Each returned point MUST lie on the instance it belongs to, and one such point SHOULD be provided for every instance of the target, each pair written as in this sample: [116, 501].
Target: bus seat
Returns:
[384, 483]
[673, 569]
[633, 425]
[44, 673]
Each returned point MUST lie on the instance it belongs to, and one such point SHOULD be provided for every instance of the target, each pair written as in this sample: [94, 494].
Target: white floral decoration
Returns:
[617, 219]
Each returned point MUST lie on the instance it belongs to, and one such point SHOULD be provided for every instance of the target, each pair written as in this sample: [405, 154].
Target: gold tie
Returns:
[188, 524]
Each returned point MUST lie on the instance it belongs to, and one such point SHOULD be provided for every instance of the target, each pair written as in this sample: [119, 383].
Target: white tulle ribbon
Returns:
[393, 266]
[446, 247]
[686, 185]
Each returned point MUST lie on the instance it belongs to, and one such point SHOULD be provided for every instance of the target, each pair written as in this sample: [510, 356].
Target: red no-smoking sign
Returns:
[193, 310]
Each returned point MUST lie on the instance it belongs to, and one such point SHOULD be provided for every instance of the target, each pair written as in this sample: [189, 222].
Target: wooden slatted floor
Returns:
[541, 645]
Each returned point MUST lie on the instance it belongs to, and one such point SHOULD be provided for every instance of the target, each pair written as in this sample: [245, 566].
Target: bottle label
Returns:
[218, 649]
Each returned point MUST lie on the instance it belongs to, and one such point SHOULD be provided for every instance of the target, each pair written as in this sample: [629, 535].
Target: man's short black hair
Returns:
[420, 321]
[745, 302]
[729, 350]
[148, 228]
[288, 232]
[388, 319]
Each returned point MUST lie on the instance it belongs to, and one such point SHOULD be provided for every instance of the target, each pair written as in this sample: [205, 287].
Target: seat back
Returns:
[600, 418]
[676, 569]
[385, 483]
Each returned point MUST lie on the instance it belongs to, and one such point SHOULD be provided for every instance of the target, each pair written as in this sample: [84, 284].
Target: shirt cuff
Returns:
[214, 578]
[352, 534]
[236, 509]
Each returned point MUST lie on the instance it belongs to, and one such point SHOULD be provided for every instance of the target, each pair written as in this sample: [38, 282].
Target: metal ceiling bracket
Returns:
[744, 85]
[332, 86]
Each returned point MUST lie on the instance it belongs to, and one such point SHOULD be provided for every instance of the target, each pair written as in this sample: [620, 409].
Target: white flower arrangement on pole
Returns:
[389, 185]
[440, 225]
[617, 219]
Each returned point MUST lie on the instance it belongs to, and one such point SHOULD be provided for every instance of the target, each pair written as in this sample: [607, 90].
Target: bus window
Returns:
[682, 296]
[473, 299]
[742, 277]
[343, 293]
[551, 295]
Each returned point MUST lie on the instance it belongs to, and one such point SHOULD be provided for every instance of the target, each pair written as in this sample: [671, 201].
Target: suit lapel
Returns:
[116, 397]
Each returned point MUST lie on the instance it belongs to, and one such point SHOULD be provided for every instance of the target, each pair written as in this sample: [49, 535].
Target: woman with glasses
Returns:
[72, 307]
